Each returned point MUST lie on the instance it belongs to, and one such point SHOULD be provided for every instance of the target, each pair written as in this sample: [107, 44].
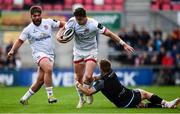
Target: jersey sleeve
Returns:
[24, 34]
[54, 23]
[70, 23]
[101, 29]
[98, 85]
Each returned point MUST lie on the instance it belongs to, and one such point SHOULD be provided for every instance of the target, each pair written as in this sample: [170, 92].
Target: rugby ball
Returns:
[68, 35]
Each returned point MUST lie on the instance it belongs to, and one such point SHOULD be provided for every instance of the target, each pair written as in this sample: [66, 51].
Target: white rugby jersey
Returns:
[85, 35]
[40, 37]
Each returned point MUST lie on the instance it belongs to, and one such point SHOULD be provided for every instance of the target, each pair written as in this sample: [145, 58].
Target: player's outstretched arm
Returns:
[116, 38]
[86, 91]
[15, 47]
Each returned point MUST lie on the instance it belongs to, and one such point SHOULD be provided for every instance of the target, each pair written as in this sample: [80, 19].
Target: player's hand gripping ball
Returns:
[67, 35]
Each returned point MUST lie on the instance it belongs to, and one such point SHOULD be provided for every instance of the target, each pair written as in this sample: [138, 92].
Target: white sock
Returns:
[28, 94]
[49, 91]
[164, 103]
[80, 94]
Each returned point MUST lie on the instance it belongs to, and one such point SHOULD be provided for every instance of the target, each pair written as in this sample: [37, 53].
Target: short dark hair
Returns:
[35, 9]
[80, 12]
[105, 65]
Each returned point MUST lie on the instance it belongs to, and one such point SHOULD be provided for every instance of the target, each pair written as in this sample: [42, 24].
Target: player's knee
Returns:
[143, 93]
[39, 80]
[88, 77]
[48, 69]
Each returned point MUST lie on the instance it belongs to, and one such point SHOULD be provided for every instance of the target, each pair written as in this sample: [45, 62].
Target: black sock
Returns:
[151, 105]
[155, 99]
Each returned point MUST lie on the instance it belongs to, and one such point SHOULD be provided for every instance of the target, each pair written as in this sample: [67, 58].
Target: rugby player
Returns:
[85, 49]
[39, 35]
[120, 95]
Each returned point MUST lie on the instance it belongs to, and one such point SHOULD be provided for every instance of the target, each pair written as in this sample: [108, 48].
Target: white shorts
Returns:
[84, 56]
[40, 55]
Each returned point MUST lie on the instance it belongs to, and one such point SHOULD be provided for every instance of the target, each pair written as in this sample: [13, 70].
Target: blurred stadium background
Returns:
[150, 26]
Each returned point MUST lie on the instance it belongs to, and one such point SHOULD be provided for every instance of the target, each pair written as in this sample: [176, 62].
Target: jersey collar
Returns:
[108, 75]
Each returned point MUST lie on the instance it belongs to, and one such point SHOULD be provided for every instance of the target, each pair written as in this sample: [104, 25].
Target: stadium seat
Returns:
[108, 7]
[28, 2]
[1, 1]
[8, 2]
[1, 7]
[68, 4]
[1, 4]
[166, 7]
[176, 7]
[79, 1]
[88, 7]
[8, 7]
[57, 7]
[47, 7]
[166, 1]
[98, 8]
[108, 1]
[155, 1]
[88, 2]
[119, 2]
[155, 7]
[118, 7]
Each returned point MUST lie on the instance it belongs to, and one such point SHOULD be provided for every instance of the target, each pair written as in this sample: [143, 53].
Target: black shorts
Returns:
[129, 99]
[136, 99]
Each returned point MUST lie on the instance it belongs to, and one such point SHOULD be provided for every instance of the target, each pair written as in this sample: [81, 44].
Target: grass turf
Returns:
[67, 96]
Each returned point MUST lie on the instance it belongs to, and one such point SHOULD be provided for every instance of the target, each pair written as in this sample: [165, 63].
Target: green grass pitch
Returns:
[9, 101]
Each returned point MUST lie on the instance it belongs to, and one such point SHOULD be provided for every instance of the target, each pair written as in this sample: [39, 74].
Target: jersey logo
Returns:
[86, 30]
[34, 31]
[54, 20]
[45, 27]
[100, 26]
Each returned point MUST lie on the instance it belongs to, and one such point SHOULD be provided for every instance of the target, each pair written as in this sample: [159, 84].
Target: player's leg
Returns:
[90, 65]
[156, 101]
[78, 76]
[39, 82]
[47, 66]
[148, 105]
[34, 88]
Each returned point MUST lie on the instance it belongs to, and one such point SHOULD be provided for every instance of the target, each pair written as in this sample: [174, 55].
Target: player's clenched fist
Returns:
[10, 54]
